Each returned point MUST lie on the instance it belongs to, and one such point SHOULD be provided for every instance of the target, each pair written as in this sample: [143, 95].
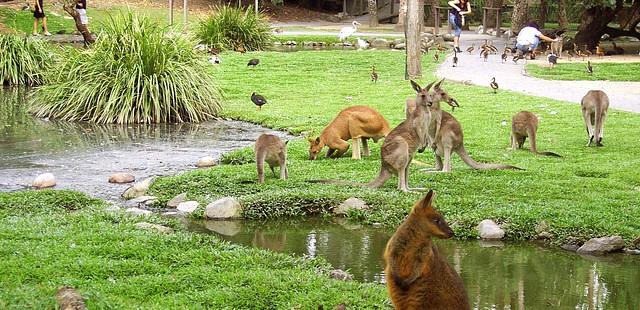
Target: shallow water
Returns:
[496, 275]
[83, 155]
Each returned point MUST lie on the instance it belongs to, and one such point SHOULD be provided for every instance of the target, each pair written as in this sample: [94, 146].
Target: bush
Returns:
[24, 60]
[231, 28]
[135, 73]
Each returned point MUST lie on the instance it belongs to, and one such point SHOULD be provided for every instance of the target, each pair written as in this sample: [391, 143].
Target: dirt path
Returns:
[472, 69]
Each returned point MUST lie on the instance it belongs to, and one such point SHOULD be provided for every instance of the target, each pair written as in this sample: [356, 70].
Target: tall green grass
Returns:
[23, 60]
[229, 28]
[135, 73]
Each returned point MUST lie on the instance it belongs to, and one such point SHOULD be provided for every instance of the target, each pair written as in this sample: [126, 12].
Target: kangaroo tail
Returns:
[549, 154]
[482, 166]
[335, 182]
[382, 178]
[531, 131]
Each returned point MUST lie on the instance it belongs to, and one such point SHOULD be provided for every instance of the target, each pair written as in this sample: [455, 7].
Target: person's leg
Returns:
[44, 25]
[35, 26]
[457, 31]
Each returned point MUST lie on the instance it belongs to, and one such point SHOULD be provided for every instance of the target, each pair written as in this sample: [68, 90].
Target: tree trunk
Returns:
[415, 16]
[70, 7]
[562, 14]
[520, 15]
[373, 13]
[593, 24]
[542, 15]
[402, 14]
[491, 15]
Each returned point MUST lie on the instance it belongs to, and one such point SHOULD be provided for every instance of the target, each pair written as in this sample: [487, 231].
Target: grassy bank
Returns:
[53, 238]
[590, 192]
[572, 71]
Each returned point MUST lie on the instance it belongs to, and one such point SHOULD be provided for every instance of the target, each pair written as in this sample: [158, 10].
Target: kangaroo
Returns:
[594, 111]
[355, 123]
[272, 150]
[417, 275]
[525, 124]
[441, 96]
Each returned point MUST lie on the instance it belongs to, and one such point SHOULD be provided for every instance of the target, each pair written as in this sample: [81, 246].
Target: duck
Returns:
[436, 57]
[552, 59]
[494, 85]
[504, 55]
[600, 51]
[471, 48]
[258, 100]
[589, 67]
[455, 58]
[485, 54]
[345, 32]
[214, 59]
[374, 74]
[253, 62]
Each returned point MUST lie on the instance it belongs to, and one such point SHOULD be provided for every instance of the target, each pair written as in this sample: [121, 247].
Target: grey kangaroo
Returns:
[272, 150]
[594, 111]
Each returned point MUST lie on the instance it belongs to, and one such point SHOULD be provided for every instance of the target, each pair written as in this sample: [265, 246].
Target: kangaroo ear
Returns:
[416, 87]
[427, 200]
[286, 141]
[439, 84]
[429, 86]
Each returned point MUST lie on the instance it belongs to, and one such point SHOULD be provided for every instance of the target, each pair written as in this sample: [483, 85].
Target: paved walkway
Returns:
[472, 69]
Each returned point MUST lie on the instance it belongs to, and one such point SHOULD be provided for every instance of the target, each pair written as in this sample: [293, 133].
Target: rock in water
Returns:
[206, 161]
[138, 189]
[44, 180]
[600, 246]
[121, 178]
[224, 208]
[350, 204]
[489, 230]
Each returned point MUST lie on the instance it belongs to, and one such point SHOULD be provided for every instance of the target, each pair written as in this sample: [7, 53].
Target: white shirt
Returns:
[528, 35]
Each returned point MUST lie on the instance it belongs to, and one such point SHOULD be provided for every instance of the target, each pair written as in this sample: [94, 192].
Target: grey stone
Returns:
[632, 251]
[448, 37]
[227, 228]
[376, 225]
[600, 246]
[44, 180]
[542, 229]
[569, 247]
[171, 214]
[143, 199]
[489, 230]
[138, 189]
[224, 208]
[205, 162]
[138, 212]
[154, 227]
[121, 178]
[439, 41]
[380, 43]
[350, 204]
[400, 46]
[340, 274]
[188, 206]
[175, 201]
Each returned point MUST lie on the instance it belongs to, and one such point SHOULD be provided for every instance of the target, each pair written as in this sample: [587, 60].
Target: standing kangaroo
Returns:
[417, 275]
[355, 123]
[525, 124]
[594, 111]
[272, 150]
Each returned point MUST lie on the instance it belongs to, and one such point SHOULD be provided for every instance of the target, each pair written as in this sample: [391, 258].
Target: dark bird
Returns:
[253, 62]
[553, 59]
[258, 100]
[436, 57]
[214, 51]
[374, 74]
[504, 55]
[455, 58]
[494, 85]
[441, 48]
[26, 7]
[587, 52]
[589, 67]
[485, 54]
[471, 48]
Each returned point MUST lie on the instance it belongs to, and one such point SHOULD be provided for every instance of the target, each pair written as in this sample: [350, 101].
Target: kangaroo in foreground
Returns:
[594, 111]
[418, 277]
[272, 150]
[355, 123]
[525, 124]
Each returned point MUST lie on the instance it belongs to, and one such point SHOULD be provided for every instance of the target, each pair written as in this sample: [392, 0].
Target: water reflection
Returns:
[496, 275]
[83, 155]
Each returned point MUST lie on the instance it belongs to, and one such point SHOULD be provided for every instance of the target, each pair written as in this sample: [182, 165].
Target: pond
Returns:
[496, 275]
[83, 155]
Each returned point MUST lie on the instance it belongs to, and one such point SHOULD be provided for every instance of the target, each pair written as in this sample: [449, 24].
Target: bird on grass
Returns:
[553, 59]
[485, 55]
[258, 100]
[345, 32]
[253, 62]
[374, 74]
[214, 59]
[494, 85]
[589, 67]
[455, 58]
[471, 48]
[436, 57]
[441, 48]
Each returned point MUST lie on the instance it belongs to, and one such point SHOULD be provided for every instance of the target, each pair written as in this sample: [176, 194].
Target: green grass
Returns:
[230, 28]
[590, 192]
[54, 238]
[604, 71]
[24, 60]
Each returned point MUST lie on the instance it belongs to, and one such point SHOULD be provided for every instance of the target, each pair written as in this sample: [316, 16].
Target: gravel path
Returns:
[472, 69]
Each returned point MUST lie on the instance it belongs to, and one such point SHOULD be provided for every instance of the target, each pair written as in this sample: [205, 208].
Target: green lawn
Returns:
[54, 238]
[575, 71]
[590, 192]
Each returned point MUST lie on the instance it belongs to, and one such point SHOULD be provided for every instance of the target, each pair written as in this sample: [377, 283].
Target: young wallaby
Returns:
[272, 150]
[417, 275]
[355, 123]
[594, 111]
[525, 124]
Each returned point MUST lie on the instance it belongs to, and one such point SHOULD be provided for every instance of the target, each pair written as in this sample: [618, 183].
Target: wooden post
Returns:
[436, 17]
[185, 14]
[498, 22]
[415, 12]
[170, 12]
[344, 7]
[391, 7]
[484, 20]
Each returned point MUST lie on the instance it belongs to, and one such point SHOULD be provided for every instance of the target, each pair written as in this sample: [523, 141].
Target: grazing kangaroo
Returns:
[355, 123]
[594, 111]
[525, 124]
[272, 150]
[417, 275]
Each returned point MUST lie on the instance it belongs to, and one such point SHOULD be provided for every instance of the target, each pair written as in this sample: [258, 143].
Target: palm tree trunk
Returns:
[520, 15]
[373, 13]
[415, 16]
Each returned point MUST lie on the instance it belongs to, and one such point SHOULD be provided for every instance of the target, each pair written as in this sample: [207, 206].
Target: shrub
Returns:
[134, 73]
[231, 28]
[24, 60]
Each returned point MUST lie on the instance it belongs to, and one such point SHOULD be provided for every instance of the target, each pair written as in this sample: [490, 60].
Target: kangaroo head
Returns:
[315, 146]
[440, 95]
[429, 219]
[423, 98]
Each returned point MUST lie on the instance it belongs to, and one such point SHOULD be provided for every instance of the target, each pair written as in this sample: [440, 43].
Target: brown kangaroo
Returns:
[271, 149]
[355, 123]
[525, 124]
[417, 275]
[594, 111]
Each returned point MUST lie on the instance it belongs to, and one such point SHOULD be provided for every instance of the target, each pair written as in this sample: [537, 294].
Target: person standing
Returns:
[81, 8]
[459, 8]
[38, 14]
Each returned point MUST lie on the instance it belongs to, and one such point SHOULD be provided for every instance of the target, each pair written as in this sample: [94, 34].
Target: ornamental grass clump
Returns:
[23, 60]
[134, 73]
[235, 29]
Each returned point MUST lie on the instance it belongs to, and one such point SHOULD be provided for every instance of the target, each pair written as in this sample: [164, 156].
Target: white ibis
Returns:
[362, 44]
[345, 32]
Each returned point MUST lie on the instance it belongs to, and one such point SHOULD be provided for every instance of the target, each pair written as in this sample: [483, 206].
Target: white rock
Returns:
[44, 180]
[604, 245]
[175, 201]
[489, 230]
[188, 206]
[120, 178]
[206, 161]
[154, 227]
[400, 46]
[171, 213]
[350, 204]
[138, 212]
[224, 208]
[143, 199]
[138, 189]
